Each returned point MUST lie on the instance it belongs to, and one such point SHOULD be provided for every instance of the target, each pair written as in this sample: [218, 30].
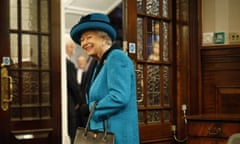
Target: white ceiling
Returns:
[83, 7]
[75, 9]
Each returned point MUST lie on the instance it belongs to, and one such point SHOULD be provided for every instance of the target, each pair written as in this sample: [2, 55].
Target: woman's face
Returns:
[91, 43]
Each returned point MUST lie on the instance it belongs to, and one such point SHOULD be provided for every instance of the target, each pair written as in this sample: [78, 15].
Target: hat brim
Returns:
[79, 29]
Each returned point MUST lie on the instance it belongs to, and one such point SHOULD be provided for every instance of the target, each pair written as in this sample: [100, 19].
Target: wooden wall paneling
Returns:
[220, 75]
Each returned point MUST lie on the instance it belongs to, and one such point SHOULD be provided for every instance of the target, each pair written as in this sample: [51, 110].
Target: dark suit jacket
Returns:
[86, 78]
[72, 85]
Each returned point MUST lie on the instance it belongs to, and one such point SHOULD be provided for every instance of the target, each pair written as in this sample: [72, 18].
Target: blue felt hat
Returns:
[94, 21]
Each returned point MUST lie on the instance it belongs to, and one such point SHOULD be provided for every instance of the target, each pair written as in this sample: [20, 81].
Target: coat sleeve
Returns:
[120, 71]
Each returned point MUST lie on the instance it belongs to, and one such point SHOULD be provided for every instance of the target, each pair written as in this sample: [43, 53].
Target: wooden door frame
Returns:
[4, 52]
[55, 56]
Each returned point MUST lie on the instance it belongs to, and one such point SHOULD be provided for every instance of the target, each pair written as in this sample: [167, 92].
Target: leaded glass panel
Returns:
[140, 6]
[165, 42]
[141, 116]
[45, 52]
[29, 15]
[166, 85]
[166, 116]
[152, 7]
[45, 112]
[153, 116]
[140, 38]
[14, 48]
[153, 34]
[15, 82]
[140, 84]
[29, 50]
[44, 15]
[30, 113]
[154, 84]
[13, 14]
[15, 113]
[45, 88]
[30, 88]
[165, 8]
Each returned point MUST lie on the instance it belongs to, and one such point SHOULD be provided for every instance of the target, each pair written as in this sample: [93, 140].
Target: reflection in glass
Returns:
[155, 55]
[153, 34]
[152, 7]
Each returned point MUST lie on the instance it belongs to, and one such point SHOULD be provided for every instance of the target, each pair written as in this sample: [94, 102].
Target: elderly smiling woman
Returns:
[113, 85]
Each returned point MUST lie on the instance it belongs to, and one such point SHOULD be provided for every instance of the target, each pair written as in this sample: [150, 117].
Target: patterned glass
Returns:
[165, 8]
[153, 84]
[45, 112]
[140, 84]
[141, 117]
[166, 116]
[153, 116]
[140, 6]
[31, 83]
[44, 16]
[45, 52]
[165, 42]
[15, 77]
[15, 113]
[30, 113]
[30, 88]
[152, 7]
[29, 15]
[45, 88]
[140, 38]
[166, 85]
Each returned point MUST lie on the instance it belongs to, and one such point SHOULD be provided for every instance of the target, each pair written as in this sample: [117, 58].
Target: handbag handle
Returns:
[88, 121]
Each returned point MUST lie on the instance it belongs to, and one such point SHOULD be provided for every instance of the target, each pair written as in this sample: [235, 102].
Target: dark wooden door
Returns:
[149, 27]
[30, 81]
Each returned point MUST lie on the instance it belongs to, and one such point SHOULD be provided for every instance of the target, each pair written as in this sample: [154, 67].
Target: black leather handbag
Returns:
[87, 136]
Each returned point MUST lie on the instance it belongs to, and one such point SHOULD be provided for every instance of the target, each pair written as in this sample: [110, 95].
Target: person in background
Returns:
[86, 82]
[73, 93]
[81, 63]
[155, 52]
[113, 84]
[154, 36]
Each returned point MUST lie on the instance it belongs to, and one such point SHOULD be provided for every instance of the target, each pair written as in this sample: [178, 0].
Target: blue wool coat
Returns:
[115, 90]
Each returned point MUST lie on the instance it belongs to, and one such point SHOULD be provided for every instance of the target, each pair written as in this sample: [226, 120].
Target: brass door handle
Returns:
[215, 132]
[6, 88]
[10, 91]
